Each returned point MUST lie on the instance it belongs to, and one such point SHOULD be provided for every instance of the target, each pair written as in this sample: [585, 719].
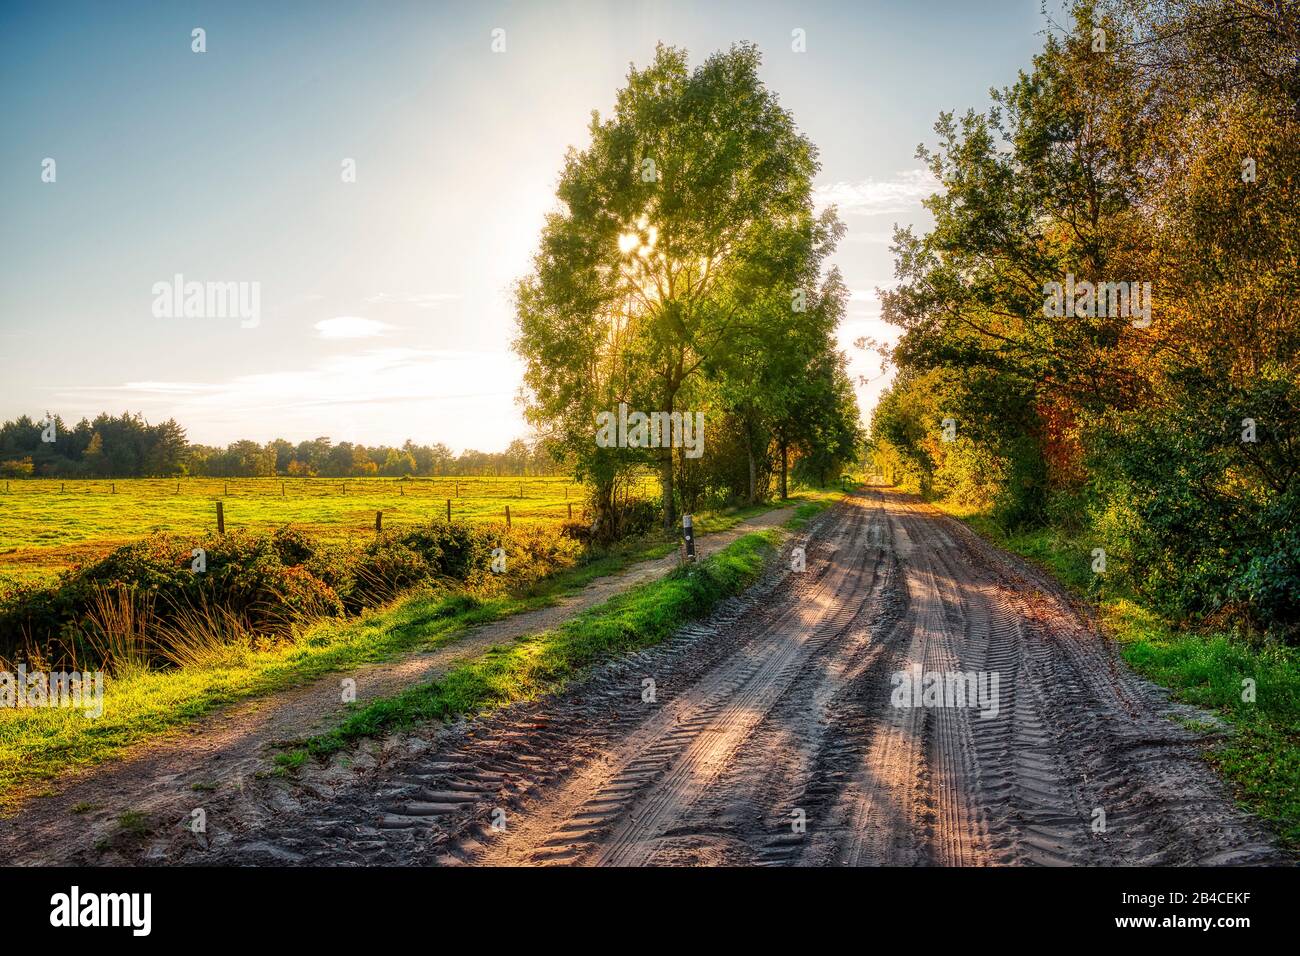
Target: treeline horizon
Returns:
[128, 446]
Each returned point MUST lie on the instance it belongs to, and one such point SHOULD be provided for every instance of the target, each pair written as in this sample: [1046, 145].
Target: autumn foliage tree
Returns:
[1152, 142]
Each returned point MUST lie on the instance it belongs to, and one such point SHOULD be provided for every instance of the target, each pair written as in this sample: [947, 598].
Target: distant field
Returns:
[47, 525]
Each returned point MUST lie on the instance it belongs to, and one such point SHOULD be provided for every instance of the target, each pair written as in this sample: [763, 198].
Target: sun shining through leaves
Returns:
[689, 247]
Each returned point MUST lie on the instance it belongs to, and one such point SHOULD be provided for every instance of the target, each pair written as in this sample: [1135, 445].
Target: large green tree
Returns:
[686, 246]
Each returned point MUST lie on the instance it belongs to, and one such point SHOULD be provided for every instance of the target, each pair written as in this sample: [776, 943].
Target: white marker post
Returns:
[688, 534]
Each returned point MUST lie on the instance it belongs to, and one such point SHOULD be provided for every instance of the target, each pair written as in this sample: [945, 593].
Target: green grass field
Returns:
[47, 525]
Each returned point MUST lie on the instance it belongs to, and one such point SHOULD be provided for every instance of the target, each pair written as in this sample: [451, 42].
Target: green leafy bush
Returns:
[1205, 514]
[270, 584]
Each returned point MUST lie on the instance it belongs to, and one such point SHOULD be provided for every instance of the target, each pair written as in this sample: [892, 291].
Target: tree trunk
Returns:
[666, 472]
[785, 471]
[666, 487]
[753, 475]
[602, 508]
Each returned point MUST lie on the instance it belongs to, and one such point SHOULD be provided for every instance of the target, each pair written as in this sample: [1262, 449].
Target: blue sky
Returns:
[385, 308]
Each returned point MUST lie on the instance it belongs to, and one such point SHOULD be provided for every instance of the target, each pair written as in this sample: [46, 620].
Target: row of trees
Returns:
[319, 457]
[1153, 141]
[127, 446]
[108, 446]
[684, 274]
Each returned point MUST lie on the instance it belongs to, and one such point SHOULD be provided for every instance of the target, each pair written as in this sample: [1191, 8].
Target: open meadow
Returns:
[48, 525]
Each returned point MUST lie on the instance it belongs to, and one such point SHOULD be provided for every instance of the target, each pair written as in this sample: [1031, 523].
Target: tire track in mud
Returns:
[672, 762]
[385, 802]
[774, 738]
[906, 799]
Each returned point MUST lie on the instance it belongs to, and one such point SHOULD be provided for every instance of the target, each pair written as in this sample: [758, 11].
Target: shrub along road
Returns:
[774, 732]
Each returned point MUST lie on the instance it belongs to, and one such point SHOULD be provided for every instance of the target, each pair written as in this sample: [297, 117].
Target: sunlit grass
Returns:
[544, 663]
[38, 744]
[44, 529]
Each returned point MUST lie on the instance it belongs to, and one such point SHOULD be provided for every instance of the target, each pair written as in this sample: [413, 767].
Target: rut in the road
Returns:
[673, 761]
[773, 738]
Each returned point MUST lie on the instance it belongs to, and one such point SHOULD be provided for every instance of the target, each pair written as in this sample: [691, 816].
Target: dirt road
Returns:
[791, 749]
[776, 733]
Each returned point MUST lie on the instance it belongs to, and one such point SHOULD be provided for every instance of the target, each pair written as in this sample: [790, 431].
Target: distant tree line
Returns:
[127, 446]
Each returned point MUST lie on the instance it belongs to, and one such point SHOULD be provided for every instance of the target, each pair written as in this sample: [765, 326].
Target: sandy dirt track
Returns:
[774, 739]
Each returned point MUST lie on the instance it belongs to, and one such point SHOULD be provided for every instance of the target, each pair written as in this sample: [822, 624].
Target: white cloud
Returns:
[163, 388]
[872, 325]
[878, 197]
[351, 327]
[872, 294]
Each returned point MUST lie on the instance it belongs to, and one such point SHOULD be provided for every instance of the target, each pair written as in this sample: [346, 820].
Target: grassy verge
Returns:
[543, 663]
[1261, 757]
[812, 504]
[39, 744]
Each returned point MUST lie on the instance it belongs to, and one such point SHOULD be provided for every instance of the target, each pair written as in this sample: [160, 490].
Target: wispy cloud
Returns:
[878, 197]
[872, 294]
[421, 300]
[351, 327]
[874, 237]
[463, 398]
[160, 388]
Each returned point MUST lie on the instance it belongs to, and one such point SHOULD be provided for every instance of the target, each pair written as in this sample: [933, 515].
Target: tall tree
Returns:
[689, 211]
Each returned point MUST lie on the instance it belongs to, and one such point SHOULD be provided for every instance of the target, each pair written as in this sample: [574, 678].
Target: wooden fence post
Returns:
[507, 516]
[379, 522]
[570, 510]
[221, 519]
[112, 487]
[449, 511]
[282, 489]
